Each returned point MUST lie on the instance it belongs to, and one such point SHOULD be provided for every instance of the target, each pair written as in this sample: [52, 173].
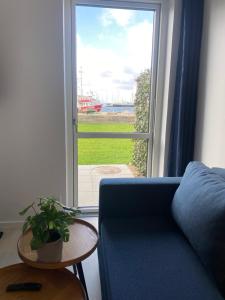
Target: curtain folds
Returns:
[182, 137]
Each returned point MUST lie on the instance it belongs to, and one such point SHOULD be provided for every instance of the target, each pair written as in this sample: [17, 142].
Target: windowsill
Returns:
[89, 211]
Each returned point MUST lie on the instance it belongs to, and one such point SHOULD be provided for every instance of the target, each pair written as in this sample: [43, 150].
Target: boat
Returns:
[123, 105]
[88, 104]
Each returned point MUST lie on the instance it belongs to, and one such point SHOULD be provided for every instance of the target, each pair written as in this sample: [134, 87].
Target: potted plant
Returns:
[49, 224]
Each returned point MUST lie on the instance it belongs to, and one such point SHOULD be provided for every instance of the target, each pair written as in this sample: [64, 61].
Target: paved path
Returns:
[89, 177]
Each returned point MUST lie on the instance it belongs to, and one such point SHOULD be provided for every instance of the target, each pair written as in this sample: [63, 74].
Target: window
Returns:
[113, 57]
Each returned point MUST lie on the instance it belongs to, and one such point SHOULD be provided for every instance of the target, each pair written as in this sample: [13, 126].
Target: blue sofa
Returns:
[143, 254]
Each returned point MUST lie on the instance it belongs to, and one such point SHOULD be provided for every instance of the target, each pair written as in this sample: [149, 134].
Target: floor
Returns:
[8, 256]
[89, 177]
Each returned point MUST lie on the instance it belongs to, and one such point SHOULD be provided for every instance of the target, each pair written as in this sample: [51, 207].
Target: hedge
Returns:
[141, 103]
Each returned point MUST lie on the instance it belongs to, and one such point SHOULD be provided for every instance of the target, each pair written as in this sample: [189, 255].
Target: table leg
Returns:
[81, 276]
[75, 270]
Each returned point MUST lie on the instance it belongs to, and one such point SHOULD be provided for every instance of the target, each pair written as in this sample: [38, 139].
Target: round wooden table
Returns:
[82, 243]
[56, 284]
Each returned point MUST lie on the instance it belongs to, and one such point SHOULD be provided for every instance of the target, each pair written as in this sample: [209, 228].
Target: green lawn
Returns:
[105, 151]
[105, 127]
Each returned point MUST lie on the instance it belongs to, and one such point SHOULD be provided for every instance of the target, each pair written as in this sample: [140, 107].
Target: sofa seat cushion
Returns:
[150, 259]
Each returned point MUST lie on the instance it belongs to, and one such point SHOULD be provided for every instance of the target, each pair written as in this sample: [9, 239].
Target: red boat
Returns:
[88, 104]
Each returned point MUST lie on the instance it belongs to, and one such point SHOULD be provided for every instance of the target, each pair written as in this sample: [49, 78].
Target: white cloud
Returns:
[100, 37]
[122, 17]
[111, 74]
[139, 44]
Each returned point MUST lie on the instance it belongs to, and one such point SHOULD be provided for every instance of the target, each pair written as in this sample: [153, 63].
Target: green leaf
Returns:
[25, 226]
[51, 225]
[26, 209]
[66, 238]
[35, 243]
[45, 237]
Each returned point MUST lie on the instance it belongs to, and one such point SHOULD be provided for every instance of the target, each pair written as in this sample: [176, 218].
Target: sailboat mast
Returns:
[81, 81]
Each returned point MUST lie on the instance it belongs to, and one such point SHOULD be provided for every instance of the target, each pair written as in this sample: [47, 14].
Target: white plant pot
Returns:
[51, 252]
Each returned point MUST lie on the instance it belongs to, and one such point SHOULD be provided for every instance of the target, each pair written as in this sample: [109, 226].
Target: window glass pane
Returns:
[114, 54]
[107, 158]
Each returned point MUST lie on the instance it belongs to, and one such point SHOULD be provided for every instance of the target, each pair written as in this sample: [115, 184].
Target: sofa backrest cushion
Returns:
[219, 171]
[198, 208]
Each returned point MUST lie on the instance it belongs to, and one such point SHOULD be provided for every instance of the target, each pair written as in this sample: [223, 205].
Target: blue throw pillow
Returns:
[199, 209]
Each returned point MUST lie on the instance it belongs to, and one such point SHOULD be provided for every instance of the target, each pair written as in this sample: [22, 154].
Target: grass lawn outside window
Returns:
[94, 151]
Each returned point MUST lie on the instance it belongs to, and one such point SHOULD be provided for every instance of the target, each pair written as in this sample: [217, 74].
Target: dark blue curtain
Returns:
[181, 148]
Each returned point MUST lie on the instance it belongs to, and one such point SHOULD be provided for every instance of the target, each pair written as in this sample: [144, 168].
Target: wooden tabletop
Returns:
[56, 284]
[83, 241]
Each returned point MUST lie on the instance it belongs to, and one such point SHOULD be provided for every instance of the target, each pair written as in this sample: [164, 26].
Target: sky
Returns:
[113, 47]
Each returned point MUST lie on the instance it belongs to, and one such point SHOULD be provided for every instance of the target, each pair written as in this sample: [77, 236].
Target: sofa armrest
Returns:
[136, 197]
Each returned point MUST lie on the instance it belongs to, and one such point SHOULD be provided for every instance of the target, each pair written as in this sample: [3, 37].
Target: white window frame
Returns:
[159, 57]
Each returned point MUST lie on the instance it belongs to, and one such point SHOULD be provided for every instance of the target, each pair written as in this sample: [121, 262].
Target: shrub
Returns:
[141, 103]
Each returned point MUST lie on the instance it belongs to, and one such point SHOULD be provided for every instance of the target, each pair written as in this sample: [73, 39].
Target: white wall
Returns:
[32, 151]
[210, 131]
